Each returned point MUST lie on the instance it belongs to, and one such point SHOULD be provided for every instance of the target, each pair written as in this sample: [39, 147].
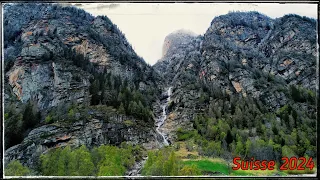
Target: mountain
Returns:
[49, 35]
[250, 77]
[76, 93]
[175, 41]
[59, 62]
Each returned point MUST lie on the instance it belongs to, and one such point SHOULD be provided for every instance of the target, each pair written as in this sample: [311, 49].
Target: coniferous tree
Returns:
[229, 137]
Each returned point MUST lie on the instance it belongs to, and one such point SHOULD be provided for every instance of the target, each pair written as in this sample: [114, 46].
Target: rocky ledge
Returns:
[101, 128]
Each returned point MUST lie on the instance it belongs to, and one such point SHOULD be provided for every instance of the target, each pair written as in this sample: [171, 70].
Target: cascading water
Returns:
[163, 117]
[162, 140]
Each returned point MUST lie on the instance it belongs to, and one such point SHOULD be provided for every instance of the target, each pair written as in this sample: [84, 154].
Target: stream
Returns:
[162, 140]
[137, 167]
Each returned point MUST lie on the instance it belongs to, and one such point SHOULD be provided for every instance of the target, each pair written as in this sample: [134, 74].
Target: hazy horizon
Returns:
[146, 25]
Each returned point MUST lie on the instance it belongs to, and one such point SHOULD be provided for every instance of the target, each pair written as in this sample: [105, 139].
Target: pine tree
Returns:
[247, 146]
[94, 90]
[121, 109]
[229, 137]
[239, 147]
[30, 117]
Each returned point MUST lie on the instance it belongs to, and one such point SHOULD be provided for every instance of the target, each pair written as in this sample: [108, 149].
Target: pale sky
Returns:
[146, 25]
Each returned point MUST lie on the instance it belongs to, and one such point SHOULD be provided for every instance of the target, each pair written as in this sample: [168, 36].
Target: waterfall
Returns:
[160, 120]
[169, 94]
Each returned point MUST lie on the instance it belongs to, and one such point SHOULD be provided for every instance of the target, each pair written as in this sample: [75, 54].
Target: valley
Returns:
[79, 101]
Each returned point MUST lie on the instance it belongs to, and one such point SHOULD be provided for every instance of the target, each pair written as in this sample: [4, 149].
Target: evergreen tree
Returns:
[121, 109]
[229, 137]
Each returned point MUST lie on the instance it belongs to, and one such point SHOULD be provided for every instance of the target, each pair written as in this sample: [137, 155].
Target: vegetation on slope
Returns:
[104, 160]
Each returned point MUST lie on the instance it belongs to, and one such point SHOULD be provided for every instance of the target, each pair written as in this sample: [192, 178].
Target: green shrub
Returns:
[165, 163]
[71, 113]
[48, 119]
[177, 146]
[15, 168]
[189, 146]
[184, 134]
[192, 156]
[190, 170]
[128, 123]
[6, 115]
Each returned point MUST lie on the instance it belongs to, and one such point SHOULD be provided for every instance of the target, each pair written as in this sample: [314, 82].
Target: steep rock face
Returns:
[52, 57]
[178, 46]
[102, 126]
[237, 57]
[229, 47]
[292, 51]
[180, 66]
[50, 83]
[40, 68]
[245, 54]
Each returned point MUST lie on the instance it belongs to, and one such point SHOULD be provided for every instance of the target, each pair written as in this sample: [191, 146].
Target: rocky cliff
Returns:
[38, 66]
[246, 54]
[94, 126]
[60, 56]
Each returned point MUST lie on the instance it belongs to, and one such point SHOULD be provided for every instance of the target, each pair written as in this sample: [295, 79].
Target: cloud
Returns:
[98, 7]
[108, 6]
[78, 4]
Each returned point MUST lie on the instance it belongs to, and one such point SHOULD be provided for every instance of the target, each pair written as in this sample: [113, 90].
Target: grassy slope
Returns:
[220, 166]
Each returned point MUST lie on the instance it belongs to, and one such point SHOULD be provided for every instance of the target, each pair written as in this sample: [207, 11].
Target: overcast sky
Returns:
[145, 25]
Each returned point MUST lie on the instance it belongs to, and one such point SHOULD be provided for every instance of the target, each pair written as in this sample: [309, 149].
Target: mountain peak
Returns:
[183, 32]
[177, 38]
